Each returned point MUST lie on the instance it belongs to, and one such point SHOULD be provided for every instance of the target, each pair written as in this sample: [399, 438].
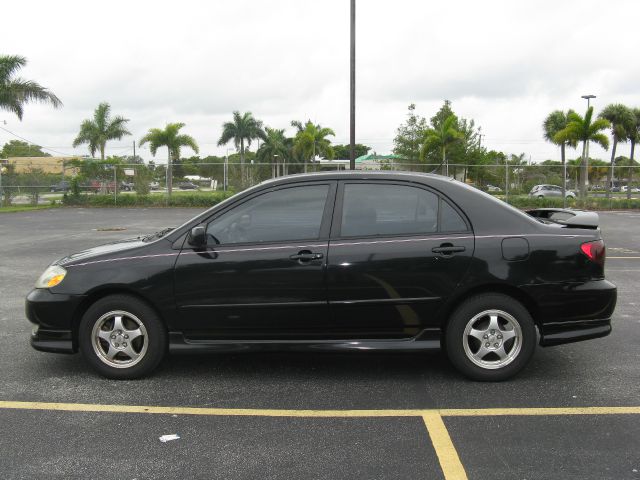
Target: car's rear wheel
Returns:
[122, 337]
[490, 337]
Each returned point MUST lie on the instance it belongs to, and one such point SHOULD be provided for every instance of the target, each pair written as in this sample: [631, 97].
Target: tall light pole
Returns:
[588, 98]
[586, 160]
[352, 94]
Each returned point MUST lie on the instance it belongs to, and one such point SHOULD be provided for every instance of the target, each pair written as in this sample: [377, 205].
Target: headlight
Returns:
[51, 277]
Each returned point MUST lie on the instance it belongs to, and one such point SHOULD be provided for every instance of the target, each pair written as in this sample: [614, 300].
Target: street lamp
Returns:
[588, 98]
[586, 161]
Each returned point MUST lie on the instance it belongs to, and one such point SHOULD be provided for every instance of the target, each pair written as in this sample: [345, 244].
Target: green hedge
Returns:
[203, 199]
[524, 201]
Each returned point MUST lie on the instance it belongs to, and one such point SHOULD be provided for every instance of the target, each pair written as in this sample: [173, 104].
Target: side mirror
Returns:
[197, 236]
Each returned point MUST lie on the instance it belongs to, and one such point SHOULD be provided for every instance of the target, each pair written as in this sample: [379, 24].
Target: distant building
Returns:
[373, 161]
[46, 164]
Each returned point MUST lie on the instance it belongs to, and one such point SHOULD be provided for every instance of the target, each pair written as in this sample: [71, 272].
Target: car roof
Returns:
[360, 175]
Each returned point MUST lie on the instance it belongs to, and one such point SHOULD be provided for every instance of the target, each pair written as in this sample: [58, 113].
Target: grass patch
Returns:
[181, 199]
[524, 202]
[25, 208]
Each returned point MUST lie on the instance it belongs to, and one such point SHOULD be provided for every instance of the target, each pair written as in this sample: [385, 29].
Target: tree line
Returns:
[442, 142]
[569, 129]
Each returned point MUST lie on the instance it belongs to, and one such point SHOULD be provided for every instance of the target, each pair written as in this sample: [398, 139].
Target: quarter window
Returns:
[288, 214]
[378, 209]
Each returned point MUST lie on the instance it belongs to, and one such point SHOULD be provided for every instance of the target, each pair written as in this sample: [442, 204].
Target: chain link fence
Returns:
[196, 184]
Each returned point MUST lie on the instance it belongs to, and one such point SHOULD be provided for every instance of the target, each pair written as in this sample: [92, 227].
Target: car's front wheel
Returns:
[122, 337]
[490, 337]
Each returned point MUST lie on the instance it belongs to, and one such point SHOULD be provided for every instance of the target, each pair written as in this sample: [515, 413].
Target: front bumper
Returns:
[52, 314]
[56, 341]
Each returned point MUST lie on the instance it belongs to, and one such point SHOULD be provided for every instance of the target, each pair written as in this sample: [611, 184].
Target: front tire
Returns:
[122, 337]
[490, 337]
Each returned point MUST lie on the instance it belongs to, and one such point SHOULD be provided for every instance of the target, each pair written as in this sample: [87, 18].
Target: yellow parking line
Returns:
[252, 412]
[259, 412]
[445, 450]
[487, 412]
[256, 412]
[447, 455]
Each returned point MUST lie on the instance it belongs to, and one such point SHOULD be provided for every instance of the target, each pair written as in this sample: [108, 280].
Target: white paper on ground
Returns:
[168, 438]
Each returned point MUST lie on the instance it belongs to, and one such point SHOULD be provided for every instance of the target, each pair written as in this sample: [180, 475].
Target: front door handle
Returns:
[448, 249]
[304, 256]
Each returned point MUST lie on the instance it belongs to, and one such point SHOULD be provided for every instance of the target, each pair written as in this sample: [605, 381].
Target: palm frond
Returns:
[601, 139]
[9, 65]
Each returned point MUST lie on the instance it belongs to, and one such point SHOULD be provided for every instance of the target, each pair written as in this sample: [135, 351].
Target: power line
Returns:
[33, 143]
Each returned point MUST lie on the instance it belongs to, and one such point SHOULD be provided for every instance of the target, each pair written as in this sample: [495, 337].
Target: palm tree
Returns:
[169, 137]
[634, 137]
[15, 92]
[622, 121]
[442, 138]
[274, 146]
[582, 129]
[311, 140]
[243, 128]
[102, 128]
[556, 121]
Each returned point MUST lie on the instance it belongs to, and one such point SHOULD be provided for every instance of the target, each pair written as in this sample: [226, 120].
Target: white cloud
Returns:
[506, 64]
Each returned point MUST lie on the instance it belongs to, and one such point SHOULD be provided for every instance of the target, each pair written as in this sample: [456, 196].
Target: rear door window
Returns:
[391, 209]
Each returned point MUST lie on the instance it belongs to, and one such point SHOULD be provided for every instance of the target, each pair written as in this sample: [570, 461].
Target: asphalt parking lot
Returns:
[574, 413]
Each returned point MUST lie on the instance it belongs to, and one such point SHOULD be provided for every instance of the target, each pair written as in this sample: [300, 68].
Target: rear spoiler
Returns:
[570, 218]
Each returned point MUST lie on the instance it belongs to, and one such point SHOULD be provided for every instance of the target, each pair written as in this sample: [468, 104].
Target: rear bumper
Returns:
[573, 301]
[567, 332]
[574, 311]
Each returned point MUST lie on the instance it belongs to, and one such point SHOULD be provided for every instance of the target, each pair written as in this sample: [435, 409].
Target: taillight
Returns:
[595, 251]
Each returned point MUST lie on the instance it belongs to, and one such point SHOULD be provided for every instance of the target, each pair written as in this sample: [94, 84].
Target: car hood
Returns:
[102, 251]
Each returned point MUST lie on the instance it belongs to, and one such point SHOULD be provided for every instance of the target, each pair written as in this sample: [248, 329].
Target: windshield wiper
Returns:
[159, 234]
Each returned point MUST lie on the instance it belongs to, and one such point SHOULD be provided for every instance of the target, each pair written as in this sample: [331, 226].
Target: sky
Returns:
[505, 64]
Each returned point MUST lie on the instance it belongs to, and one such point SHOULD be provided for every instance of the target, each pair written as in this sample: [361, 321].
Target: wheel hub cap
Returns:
[119, 339]
[492, 339]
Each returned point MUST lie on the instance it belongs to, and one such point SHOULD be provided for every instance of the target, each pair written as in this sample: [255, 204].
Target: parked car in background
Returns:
[62, 186]
[493, 188]
[616, 189]
[635, 190]
[337, 261]
[154, 185]
[187, 186]
[96, 186]
[127, 186]
[543, 191]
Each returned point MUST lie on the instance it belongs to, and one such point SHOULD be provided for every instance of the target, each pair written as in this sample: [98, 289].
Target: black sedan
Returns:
[335, 261]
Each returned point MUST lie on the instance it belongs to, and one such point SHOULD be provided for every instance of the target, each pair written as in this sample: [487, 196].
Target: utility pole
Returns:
[352, 100]
[506, 183]
[134, 150]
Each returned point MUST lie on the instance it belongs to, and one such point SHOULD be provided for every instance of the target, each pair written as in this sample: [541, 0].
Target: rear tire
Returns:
[122, 337]
[490, 337]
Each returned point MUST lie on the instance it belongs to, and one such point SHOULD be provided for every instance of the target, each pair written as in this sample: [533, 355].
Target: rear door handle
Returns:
[306, 256]
[448, 249]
